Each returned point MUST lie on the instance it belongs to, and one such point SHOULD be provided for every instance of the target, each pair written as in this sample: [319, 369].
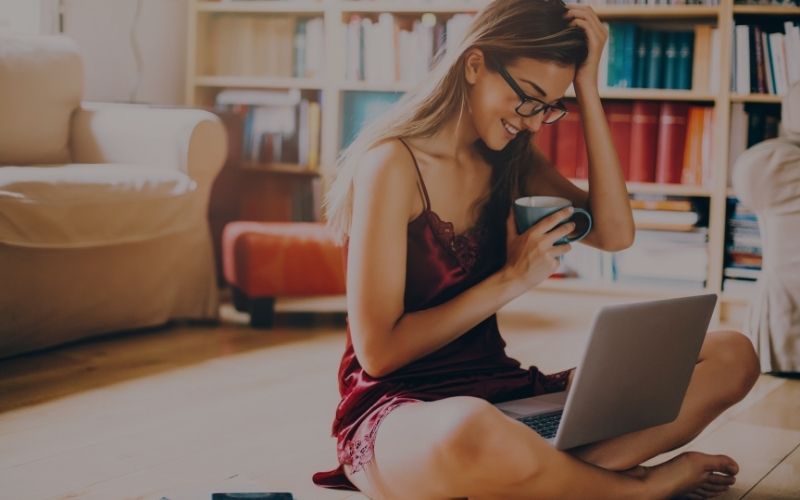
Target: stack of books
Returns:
[665, 142]
[743, 259]
[766, 58]
[265, 45]
[670, 248]
[654, 59]
[279, 127]
[391, 48]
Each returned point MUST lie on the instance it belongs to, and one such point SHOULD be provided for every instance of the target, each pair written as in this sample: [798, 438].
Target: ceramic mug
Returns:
[531, 209]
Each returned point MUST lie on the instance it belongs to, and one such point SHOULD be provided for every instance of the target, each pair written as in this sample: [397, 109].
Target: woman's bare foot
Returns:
[690, 476]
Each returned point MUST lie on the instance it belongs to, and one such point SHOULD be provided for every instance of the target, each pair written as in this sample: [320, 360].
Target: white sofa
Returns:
[103, 207]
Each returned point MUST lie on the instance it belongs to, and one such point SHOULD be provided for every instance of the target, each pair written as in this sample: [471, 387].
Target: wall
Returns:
[105, 28]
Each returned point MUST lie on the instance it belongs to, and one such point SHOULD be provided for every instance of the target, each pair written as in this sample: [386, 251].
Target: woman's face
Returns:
[493, 101]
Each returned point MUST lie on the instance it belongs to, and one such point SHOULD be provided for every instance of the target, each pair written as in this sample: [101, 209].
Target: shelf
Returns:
[603, 11]
[656, 12]
[767, 10]
[266, 82]
[375, 87]
[412, 6]
[655, 188]
[607, 93]
[764, 98]
[254, 6]
[652, 95]
[280, 169]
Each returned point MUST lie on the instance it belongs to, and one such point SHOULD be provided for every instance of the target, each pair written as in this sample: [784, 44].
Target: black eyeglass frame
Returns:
[525, 98]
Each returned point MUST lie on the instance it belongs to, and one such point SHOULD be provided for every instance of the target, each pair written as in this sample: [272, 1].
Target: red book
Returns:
[671, 142]
[544, 140]
[618, 115]
[566, 142]
[644, 140]
[582, 169]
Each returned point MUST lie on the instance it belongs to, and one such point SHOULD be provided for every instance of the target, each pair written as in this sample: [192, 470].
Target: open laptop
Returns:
[634, 373]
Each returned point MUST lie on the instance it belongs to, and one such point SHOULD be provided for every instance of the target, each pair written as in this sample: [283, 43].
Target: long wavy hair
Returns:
[504, 31]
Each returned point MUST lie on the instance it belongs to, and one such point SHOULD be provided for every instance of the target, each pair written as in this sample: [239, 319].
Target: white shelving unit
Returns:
[202, 88]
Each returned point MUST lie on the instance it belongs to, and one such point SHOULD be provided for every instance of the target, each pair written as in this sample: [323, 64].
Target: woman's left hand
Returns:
[596, 34]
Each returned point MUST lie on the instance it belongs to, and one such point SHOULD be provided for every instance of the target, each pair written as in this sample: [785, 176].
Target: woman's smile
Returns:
[511, 130]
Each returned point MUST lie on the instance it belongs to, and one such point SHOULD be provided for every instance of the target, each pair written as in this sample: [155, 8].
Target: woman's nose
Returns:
[534, 123]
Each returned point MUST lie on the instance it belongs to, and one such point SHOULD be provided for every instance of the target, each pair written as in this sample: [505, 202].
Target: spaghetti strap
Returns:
[426, 200]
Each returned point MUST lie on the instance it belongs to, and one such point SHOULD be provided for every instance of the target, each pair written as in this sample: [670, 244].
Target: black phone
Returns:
[252, 496]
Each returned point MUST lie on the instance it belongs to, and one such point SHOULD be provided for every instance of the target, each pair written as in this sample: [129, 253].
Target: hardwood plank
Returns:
[782, 483]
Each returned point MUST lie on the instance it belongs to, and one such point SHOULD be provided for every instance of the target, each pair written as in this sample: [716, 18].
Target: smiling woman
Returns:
[422, 203]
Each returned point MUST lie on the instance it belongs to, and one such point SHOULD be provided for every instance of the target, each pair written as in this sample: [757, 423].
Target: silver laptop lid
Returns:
[635, 369]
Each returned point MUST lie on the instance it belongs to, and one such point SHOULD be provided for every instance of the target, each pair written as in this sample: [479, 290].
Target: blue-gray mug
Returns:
[531, 209]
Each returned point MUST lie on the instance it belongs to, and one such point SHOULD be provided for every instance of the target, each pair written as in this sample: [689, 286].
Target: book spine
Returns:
[654, 67]
[566, 143]
[671, 142]
[644, 140]
[685, 47]
[670, 61]
[642, 47]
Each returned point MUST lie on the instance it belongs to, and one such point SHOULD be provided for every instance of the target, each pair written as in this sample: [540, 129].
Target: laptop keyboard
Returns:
[545, 424]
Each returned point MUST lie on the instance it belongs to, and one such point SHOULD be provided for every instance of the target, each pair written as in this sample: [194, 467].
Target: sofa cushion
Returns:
[82, 205]
[41, 84]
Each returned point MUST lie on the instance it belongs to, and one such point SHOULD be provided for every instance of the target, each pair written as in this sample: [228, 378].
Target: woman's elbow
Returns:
[373, 360]
[619, 242]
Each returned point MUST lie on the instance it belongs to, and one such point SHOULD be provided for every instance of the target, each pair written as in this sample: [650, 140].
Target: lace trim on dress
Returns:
[463, 246]
[360, 450]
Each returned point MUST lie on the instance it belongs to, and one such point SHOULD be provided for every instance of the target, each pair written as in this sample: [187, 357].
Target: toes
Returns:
[720, 479]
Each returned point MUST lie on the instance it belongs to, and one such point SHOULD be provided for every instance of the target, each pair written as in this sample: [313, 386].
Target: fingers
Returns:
[556, 234]
[545, 225]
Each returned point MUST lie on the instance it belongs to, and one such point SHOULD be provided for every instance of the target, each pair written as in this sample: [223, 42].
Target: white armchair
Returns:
[103, 207]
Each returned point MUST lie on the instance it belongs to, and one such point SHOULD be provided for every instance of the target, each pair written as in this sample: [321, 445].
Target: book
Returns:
[671, 141]
[642, 59]
[670, 61]
[619, 116]
[567, 142]
[654, 66]
[685, 44]
[644, 141]
[701, 61]
[692, 172]
[742, 57]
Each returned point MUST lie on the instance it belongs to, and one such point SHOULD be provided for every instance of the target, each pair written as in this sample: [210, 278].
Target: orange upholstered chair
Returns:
[266, 260]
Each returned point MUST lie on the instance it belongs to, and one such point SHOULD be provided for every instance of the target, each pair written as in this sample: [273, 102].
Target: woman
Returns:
[422, 200]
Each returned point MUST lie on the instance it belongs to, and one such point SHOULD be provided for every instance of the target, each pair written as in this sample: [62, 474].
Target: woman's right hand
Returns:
[531, 257]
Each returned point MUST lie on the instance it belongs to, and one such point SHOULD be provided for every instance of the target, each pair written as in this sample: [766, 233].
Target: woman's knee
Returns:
[738, 359]
[475, 435]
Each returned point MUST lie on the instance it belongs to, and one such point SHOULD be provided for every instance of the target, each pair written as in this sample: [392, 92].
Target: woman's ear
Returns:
[473, 62]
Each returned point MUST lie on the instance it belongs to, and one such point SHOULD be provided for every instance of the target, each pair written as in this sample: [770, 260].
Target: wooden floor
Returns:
[182, 412]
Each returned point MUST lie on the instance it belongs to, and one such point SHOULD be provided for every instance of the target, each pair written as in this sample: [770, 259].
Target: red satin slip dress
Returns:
[440, 265]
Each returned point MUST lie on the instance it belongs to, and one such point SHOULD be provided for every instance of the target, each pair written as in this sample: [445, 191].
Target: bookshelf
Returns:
[201, 89]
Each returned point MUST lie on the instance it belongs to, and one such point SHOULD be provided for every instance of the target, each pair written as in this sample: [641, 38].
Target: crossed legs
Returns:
[464, 447]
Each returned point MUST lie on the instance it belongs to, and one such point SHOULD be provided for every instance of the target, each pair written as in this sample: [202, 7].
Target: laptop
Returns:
[634, 373]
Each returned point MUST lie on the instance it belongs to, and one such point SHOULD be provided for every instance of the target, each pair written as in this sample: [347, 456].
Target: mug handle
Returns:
[584, 213]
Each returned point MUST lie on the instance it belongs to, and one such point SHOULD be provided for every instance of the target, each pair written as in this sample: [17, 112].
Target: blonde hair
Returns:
[504, 31]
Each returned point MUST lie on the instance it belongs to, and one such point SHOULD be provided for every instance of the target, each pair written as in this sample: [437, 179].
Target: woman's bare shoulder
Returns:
[388, 168]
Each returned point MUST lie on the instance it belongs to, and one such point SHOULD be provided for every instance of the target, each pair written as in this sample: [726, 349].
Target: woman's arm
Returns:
[384, 338]
[607, 198]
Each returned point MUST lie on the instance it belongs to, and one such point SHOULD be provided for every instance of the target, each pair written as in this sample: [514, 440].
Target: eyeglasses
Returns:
[531, 106]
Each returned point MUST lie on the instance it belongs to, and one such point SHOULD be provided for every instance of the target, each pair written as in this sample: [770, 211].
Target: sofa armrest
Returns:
[190, 140]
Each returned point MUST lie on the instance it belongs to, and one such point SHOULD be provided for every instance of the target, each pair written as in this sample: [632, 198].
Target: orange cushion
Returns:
[289, 259]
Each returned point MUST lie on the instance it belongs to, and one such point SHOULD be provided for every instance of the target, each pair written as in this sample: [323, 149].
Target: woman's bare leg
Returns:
[725, 373]
[465, 447]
